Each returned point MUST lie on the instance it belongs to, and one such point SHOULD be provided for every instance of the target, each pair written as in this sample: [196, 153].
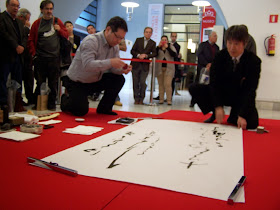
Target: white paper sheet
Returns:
[18, 136]
[196, 158]
[83, 130]
[49, 122]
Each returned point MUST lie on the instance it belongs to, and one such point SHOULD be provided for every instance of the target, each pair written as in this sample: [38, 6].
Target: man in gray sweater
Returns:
[96, 67]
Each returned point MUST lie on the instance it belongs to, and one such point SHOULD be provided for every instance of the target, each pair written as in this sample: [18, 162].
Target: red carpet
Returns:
[27, 187]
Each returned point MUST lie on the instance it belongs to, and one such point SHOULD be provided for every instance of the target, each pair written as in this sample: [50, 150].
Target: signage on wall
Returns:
[273, 18]
[208, 22]
[155, 20]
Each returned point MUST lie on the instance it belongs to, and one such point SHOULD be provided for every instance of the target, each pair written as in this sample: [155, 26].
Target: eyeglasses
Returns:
[119, 38]
[15, 5]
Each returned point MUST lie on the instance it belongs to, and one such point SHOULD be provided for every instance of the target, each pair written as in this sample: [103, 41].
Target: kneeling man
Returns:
[96, 67]
[234, 78]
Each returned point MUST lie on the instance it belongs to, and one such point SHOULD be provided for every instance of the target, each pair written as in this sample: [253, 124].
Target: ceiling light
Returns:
[129, 4]
[201, 3]
[129, 8]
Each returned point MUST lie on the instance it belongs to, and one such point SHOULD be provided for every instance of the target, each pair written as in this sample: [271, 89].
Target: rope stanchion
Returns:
[152, 82]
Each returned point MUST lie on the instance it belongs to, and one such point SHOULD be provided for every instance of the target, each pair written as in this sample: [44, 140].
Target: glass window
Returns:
[184, 20]
[88, 16]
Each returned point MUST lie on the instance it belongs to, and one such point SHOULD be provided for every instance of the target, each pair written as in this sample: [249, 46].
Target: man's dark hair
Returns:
[173, 33]
[8, 2]
[90, 25]
[117, 22]
[238, 33]
[67, 22]
[148, 28]
[44, 3]
[164, 36]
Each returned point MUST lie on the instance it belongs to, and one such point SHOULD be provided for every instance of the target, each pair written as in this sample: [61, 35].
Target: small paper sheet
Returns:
[83, 130]
[50, 122]
[18, 136]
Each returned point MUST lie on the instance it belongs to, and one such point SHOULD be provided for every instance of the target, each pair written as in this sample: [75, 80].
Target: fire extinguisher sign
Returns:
[273, 19]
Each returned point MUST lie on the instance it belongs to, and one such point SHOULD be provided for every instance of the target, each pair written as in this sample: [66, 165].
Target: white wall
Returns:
[255, 14]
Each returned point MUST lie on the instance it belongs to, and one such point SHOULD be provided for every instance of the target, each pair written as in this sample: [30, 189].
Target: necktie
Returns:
[234, 64]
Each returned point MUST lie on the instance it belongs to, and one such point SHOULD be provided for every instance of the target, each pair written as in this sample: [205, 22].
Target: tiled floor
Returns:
[179, 103]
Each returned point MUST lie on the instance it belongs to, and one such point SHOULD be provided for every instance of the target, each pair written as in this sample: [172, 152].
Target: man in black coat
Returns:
[177, 76]
[206, 53]
[143, 49]
[234, 78]
[28, 74]
[12, 44]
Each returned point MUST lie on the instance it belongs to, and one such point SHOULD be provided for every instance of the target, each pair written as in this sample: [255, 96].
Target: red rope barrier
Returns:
[158, 61]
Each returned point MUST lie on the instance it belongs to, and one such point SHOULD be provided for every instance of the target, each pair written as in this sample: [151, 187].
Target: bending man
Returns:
[96, 67]
[234, 78]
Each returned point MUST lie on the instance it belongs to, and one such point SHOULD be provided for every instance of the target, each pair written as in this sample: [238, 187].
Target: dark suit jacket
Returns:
[77, 41]
[10, 39]
[204, 54]
[177, 47]
[138, 48]
[235, 86]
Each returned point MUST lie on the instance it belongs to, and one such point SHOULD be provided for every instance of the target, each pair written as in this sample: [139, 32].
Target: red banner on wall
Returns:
[208, 22]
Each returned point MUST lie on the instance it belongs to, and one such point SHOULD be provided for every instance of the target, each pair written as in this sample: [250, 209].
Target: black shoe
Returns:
[156, 98]
[52, 107]
[106, 112]
[210, 119]
[63, 102]
[192, 105]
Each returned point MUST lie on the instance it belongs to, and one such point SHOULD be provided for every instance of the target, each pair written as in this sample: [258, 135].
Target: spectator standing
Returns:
[177, 78]
[74, 39]
[206, 53]
[143, 49]
[251, 44]
[122, 47]
[28, 73]
[165, 71]
[91, 29]
[44, 46]
[13, 43]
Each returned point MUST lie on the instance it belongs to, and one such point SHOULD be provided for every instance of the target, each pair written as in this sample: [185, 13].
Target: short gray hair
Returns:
[212, 32]
[23, 12]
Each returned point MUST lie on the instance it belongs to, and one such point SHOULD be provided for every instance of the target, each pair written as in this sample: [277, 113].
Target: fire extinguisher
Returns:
[270, 48]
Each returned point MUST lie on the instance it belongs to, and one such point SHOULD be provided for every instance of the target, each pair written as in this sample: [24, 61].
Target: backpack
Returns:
[65, 50]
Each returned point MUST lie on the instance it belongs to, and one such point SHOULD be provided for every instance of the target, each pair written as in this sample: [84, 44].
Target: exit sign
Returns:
[273, 18]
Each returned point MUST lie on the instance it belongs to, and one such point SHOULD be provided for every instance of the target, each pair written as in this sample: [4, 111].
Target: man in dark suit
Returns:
[234, 78]
[206, 53]
[143, 48]
[28, 74]
[12, 44]
[177, 76]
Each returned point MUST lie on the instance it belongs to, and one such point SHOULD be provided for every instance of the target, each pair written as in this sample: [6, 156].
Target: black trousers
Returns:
[47, 68]
[203, 96]
[28, 78]
[77, 101]
[16, 74]
[139, 76]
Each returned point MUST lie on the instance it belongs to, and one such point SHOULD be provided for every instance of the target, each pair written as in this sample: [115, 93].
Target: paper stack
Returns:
[83, 130]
